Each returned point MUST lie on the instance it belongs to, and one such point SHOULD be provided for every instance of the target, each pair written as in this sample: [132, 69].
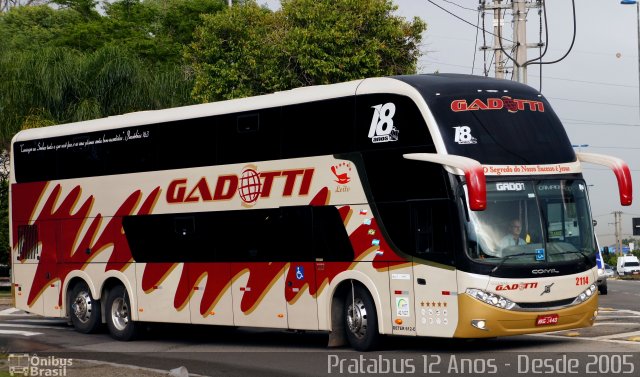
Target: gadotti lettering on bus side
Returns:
[226, 186]
[511, 104]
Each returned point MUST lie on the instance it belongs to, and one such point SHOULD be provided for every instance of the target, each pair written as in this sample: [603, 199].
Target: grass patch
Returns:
[629, 277]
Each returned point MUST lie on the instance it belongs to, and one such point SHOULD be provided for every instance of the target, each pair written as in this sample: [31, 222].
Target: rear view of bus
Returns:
[526, 258]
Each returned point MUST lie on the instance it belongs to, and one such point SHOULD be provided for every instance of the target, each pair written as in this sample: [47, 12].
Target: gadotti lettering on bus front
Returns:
[250, 185]
[511, 104]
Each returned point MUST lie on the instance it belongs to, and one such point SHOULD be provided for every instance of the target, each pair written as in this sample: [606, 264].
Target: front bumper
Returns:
[501, 322]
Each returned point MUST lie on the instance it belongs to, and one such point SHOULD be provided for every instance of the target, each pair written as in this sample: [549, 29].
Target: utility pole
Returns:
[617, 215]
[517, 52]
[498, 23]
[520, 40]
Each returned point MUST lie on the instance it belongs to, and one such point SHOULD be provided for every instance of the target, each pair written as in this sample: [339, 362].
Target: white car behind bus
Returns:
[628, 265]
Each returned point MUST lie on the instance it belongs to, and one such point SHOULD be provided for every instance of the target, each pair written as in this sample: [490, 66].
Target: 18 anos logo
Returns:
[382, 129]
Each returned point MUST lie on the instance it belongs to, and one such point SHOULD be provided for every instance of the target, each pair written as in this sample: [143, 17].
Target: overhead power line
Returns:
[593, 102]
[459, 6]
[462, 19]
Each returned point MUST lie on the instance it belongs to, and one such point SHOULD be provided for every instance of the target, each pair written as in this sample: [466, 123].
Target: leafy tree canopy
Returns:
[248, 50]
[155, 30]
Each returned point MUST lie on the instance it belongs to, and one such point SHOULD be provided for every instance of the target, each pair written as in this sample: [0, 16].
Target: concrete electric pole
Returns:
[517, 51]
[617, 215]
[498, 24]
[520, 40]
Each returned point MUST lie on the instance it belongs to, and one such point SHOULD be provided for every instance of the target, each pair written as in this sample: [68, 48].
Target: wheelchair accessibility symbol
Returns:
[299, 272]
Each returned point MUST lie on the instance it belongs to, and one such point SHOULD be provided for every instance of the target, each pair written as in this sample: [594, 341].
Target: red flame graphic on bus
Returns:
[67, 217]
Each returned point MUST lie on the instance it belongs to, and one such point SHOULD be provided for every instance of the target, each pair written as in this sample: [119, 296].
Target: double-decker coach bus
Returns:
[426, 205]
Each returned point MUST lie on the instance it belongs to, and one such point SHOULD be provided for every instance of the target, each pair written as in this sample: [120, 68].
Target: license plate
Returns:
[636, 272]
[546, 320]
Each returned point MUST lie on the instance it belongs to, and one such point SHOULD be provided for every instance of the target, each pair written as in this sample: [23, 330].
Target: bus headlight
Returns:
[586, 294]
[491, 298]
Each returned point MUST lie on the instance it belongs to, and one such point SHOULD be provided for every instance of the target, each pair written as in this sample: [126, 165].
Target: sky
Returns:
[594, 90]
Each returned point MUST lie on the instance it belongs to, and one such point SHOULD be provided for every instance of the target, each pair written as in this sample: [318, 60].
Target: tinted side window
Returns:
[184, 143]
[31, 165]
[331, 241]
[252, 136]
[262, 235]
[423, 229]
[389, 121]
[318, 128]
[392, 177]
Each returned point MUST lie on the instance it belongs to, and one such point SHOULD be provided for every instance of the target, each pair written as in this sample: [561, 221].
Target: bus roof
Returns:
[426, 84]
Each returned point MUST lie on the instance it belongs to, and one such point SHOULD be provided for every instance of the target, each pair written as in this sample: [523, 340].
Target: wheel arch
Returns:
[74, 278]
[340, 288]
[115, 278]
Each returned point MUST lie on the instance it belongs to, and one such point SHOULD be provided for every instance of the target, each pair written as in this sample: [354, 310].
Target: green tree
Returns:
[87, 8]
[60, 85]
[248, 50]
[157, 30]
[231, 56]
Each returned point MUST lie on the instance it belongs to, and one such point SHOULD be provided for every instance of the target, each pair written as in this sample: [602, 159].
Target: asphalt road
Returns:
[611, 347]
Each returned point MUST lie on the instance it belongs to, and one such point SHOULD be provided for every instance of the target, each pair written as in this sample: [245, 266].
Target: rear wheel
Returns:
[361, 320]
[84, 311]
[118, 315]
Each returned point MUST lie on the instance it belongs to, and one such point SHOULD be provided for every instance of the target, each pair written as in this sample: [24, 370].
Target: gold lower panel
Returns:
[501, 322]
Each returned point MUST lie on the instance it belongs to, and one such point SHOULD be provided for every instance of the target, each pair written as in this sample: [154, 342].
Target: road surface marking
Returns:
[19, 332]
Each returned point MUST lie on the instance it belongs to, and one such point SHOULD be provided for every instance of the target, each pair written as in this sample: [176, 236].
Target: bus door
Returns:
[434, 278]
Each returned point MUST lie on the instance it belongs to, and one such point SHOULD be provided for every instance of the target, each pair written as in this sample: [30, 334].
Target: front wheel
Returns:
[361, 320]
[603, 289]
[118, 313]
[84, 310]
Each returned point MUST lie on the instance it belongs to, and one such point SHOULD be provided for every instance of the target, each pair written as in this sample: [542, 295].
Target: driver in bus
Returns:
[513, 236]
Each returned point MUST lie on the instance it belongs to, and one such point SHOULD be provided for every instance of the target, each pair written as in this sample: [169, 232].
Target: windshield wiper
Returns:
[505, 259]
[584, 255]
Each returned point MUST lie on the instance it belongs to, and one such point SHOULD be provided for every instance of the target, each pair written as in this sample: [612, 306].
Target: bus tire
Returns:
[118, 315]
[84, 310]
[361, 319]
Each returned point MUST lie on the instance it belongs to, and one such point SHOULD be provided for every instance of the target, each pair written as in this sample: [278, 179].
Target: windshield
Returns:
[532, 222]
